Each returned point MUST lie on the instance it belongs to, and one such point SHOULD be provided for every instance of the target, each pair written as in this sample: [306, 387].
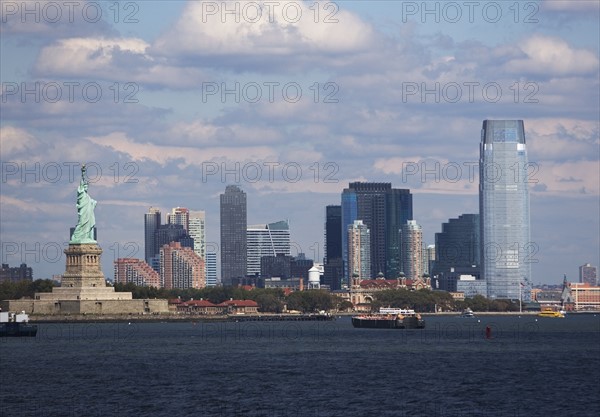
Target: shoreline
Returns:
[173, 317]
[154, 318]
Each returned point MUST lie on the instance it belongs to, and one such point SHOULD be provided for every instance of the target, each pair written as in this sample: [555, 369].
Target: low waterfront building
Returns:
[548, 298]
[295, 284]
[198, 307]
[458, 296]
[577, 296]
[239, 307]
[205, 307]
[362, 292]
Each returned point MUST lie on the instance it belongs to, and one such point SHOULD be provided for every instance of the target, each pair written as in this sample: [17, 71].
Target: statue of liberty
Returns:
[84, 232]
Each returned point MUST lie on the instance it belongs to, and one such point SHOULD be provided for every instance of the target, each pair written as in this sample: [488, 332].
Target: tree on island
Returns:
[310, 301]
[272, 300]
[269, 303]
[345, 305]
[15, 290]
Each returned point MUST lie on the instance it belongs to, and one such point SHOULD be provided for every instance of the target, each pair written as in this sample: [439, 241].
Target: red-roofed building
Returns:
[173, 303]
[199, 307]
[239, 307]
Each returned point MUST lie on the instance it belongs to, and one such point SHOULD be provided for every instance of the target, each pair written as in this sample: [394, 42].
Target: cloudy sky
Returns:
[168, 102]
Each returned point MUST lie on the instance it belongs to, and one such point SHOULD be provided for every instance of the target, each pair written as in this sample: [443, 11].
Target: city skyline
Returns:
[164, 117]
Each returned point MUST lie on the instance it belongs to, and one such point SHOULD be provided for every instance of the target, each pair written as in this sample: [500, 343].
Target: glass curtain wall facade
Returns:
[349, 215]
[333, 268]
[504, 208]
[398, 212]
[266, 240]
[458, 244]
[151, 224]
[384, 210]
[233, 234]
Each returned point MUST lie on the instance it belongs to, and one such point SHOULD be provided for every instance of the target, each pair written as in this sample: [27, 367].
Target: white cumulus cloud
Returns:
[544, 55]
[263, 28]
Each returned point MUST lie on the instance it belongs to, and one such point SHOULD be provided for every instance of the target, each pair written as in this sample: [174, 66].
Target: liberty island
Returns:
[83, 287]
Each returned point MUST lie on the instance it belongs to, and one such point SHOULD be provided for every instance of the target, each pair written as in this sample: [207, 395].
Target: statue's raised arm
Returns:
[84, 231]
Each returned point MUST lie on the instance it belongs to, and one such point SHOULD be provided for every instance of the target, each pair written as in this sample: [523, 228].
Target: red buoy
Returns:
[488, 332]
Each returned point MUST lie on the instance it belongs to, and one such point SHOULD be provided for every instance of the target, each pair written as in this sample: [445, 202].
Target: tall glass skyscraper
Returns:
[196, 230]
[349, 215]
[333, 233]
[359, 249]
[266, 240]
[151, 224]
[458, 245]
[412, 247]
[211, 269]
[504, 208]
[233, 234]
[334, 267]
[383, 210]
[398, 211]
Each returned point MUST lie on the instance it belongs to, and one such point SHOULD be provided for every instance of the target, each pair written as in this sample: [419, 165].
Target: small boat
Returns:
[16, 325]
[389, 318]
[549, 312]
[468, 313]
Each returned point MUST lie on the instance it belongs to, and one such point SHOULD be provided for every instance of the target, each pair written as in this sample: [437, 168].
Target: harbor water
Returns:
[482, 366]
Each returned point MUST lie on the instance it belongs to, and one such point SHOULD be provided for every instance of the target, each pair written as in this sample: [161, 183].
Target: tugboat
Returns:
[389, 318]
[16, 325]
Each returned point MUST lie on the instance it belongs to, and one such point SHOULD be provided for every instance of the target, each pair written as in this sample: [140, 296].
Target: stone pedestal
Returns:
[83, 278]
[83, 268]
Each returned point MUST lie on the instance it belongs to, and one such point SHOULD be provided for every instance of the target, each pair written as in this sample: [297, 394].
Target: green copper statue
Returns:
[84, 232]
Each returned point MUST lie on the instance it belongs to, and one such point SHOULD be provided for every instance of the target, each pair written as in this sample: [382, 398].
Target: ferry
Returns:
[549, 312]
[16, 325]
[389, 318]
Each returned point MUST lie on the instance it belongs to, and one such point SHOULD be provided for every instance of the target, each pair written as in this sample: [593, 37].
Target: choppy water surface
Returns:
[528, 367]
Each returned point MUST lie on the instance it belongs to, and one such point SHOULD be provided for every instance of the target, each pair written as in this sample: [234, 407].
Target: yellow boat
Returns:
[548, 312]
